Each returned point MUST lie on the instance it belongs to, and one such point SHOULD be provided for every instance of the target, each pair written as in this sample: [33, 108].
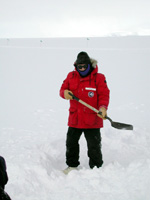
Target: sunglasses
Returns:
[82, 66]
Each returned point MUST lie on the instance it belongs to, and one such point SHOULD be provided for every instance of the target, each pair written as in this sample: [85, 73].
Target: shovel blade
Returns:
[122, 126]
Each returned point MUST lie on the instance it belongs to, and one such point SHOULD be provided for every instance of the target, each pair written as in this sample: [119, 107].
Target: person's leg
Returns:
[72, 147]
[93, 138]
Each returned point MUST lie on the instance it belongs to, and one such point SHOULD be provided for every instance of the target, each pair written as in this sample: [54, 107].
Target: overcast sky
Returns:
[73, 18]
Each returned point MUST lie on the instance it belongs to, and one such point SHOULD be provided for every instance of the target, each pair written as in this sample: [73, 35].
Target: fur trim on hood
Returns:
[94, 62]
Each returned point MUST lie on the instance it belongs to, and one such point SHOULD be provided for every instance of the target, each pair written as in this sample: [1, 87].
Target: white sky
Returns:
[73, 18]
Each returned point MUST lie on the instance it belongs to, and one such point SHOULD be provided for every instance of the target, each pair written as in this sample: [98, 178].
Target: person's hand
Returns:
[66, 95]
[103, 113]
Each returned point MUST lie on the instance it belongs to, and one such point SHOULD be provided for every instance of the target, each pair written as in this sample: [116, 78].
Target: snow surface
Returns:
[33, 119]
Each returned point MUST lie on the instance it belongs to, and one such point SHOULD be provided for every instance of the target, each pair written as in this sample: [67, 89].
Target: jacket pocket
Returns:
[90, 117]
[72, 116]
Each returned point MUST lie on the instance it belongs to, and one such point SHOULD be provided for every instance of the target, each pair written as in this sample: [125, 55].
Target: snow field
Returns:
[33, 121]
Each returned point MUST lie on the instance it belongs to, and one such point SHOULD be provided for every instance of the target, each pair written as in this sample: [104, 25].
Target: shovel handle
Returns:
[74, 97]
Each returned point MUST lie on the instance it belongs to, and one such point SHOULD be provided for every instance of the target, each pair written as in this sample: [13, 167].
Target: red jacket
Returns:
[91, 89]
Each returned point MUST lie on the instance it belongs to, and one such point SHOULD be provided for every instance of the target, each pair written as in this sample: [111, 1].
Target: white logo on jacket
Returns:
[91, 94]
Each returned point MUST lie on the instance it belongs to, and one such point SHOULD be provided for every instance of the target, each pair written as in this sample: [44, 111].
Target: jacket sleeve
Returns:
[103, 92]
[64, 86]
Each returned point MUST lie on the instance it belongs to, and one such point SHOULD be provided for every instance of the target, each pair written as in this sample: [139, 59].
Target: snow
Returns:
[33, 119]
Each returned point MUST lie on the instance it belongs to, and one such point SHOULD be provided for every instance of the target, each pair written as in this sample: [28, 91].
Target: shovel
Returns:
[117, 125]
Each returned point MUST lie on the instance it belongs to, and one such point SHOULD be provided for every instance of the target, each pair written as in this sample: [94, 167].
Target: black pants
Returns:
[93, 138]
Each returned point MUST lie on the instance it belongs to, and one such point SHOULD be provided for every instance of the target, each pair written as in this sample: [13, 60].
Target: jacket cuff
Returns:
[62, 94]
[103, 106]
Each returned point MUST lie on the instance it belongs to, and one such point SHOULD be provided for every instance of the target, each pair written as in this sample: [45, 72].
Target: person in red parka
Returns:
[90, 86]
